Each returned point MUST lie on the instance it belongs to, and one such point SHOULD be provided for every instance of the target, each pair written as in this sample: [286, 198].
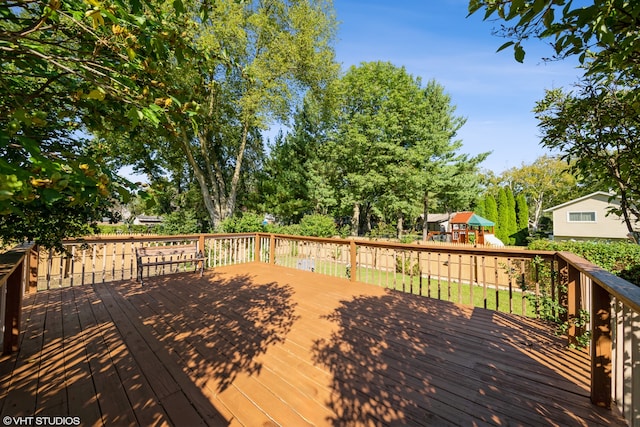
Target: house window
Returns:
[582, 217]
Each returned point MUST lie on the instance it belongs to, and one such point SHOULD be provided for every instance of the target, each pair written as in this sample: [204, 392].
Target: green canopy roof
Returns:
[479, 221]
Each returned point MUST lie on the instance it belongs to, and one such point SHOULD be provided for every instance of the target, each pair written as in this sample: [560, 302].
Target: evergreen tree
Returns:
[512, 224]
[522, 217]
[502, 228]
[480, 207]
[491, 210]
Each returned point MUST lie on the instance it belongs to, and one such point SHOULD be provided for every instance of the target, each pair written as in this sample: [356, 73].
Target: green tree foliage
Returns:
[604, 34]
[522, 219]
[256, 60]
[182, 221]
[502, 223]
[393, 147]
[286, 178]
[65, 64]
[512, 224]
[491, 209]
[295, 179]
[318, 225]
[598, 130]
[247, 222]
[546, 182]
[621, 259]
[480, 207]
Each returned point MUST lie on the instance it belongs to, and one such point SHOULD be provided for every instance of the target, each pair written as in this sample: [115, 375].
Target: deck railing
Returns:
[16, 273]
[506, 280]
[591, 302]
[110, 258]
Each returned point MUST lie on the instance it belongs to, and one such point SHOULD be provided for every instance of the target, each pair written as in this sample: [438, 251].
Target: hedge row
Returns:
[620, 258]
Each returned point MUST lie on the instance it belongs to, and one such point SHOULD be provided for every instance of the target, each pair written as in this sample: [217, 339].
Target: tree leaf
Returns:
[506, 45]
[518, 53]
[97, 94]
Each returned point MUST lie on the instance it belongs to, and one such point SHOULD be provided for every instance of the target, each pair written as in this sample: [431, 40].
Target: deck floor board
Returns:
[260, 345]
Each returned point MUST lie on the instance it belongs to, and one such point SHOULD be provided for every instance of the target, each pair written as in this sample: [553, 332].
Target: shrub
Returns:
[291, 230]
[179, 222]
[383, 230]
[318, 225]
[247, 222]
[620, 258]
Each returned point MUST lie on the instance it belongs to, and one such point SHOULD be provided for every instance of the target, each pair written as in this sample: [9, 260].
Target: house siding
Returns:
[605, 226]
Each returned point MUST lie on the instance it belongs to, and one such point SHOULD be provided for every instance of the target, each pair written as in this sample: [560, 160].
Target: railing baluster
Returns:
[510, 276]
[459, 278]
[439, 275]
[473, 277]
[429, 274]
[93, 265]
[73, 263]
[496, 283]
[484, 282]
[419, 275]
[448, 276]
[523, 287]
[61, 271]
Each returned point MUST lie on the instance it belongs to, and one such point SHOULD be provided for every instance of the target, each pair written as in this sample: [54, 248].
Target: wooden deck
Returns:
[259, 345]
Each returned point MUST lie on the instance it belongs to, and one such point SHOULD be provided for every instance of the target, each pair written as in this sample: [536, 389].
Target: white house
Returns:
[147, 220]
[587, 218]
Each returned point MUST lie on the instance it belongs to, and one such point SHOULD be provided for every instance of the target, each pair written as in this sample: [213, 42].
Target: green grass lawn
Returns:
[464, 293]
[476, 295]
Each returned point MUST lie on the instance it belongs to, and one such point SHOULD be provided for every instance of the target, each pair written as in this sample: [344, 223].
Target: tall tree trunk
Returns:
[367, 224]
[624, 205]
[233, 190]
[355, 219]
[209, 201]
[400, 226]
[425, 215]
[537, 212]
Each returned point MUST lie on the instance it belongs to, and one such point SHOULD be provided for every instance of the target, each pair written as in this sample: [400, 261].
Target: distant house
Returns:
[437, 221]
[147, 220]
[585, 218]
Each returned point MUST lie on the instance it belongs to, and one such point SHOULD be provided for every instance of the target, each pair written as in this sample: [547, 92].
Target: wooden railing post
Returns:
[33, 270]
[573, 304]
[569, 297]
[353, 255]
[13, 309]
[272, 249]
[201, 247]
[601, 346]
[257, 248]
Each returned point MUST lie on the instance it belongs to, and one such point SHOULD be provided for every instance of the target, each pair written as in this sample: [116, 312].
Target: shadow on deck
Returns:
[262, 345]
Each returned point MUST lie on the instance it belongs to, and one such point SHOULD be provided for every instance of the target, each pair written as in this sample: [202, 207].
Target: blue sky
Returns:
[435, 40]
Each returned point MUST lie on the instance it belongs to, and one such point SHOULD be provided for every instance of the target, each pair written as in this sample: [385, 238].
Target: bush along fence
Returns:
[593, 307]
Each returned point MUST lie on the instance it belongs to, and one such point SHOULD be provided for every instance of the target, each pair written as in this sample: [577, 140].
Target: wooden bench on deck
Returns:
[155, 256]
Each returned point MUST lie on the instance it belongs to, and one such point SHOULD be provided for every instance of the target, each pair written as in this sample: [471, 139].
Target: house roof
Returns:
[579, 199]
[438, 217]
[471, 218]
[149, 218]
[462, 217]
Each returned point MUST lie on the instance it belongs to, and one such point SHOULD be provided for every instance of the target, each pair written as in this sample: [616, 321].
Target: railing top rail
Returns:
[151, 238]
[481, 251]
[466, 250]
[335, 240]
[625, 291]
[9, 261]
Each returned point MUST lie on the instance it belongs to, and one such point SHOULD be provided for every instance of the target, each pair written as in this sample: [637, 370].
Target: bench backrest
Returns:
[167, 251]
